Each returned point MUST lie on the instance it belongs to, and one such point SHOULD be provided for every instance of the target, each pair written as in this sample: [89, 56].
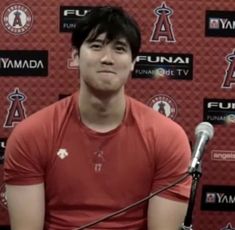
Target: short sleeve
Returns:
[23, 158]
[173, 155]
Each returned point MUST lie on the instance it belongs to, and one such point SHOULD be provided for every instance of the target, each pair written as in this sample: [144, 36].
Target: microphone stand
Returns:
[196, 175]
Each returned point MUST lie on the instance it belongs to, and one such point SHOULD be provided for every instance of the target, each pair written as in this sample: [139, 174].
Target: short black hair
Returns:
[113, 21]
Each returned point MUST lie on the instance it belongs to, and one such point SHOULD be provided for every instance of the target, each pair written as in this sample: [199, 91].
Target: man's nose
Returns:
[107, 56]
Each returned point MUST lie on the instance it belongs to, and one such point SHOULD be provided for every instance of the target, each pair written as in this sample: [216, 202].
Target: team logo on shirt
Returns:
[62, 153]
[164, 105]
[3, 197]
[17, 19]
[229, 77]
[162, 29]
[16, 111]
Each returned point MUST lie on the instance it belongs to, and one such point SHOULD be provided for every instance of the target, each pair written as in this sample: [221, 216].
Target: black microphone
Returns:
[204, 132]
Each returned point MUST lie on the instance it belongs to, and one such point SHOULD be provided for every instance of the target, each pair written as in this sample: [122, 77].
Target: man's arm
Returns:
[26, 206]
[165, 214]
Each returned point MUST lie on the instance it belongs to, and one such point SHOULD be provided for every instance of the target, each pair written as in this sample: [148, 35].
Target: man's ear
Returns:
[75, 56]
[133, 64]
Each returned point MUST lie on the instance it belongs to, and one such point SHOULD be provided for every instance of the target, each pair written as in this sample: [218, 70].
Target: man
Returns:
[98, 150]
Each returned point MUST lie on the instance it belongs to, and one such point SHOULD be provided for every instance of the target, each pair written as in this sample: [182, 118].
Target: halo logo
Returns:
[163, 29]
[229, 77]
[16, 111]
[17, 19]
[164, 105]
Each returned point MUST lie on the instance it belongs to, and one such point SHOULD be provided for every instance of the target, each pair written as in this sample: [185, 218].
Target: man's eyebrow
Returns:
[121, 42]
[101, 40]
[96, 40]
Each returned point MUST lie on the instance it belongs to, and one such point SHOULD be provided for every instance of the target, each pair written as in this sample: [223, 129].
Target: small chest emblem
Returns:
[62, 153]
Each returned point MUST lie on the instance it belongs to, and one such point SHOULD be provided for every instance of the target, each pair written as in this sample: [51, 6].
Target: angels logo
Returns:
[163, 27]
[3, 197]
[17, 19]
[228, 227]
[163, 104]
[16, 111]
[229, 77]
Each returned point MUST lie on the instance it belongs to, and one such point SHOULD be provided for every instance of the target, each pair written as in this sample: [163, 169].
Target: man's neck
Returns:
[102, 114]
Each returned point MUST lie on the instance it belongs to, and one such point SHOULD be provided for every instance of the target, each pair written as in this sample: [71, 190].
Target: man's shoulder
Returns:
[46, 116]
[150, 118]
[142, 110]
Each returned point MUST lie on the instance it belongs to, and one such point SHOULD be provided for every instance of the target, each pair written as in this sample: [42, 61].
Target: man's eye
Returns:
[120, 48]
[96, 45]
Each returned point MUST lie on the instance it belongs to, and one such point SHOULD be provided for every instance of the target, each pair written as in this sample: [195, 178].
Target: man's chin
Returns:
[106, 91]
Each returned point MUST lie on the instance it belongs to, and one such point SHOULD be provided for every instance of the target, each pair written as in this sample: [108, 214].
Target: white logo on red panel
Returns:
[17, 19]
[164, 105]
[223, 155]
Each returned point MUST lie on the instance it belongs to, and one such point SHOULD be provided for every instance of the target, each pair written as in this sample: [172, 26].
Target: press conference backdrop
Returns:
[185, 70]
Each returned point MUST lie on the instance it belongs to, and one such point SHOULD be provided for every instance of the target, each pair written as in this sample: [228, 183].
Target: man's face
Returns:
[105, 66]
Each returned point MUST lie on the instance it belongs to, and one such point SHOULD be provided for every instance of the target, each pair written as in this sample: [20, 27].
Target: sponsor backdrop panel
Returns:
[185, 70]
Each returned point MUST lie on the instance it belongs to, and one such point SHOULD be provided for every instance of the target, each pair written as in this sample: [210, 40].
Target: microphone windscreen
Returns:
[205, 127]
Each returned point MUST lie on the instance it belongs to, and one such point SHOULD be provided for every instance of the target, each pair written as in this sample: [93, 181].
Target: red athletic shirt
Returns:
[87, 174]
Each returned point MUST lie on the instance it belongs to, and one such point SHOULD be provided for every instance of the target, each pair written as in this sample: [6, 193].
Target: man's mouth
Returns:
[106, 71]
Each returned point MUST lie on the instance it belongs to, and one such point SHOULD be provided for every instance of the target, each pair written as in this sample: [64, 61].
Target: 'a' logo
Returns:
[16, 111]
[229, 77]
[17, 19]
[228, 227]
[163, 27]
